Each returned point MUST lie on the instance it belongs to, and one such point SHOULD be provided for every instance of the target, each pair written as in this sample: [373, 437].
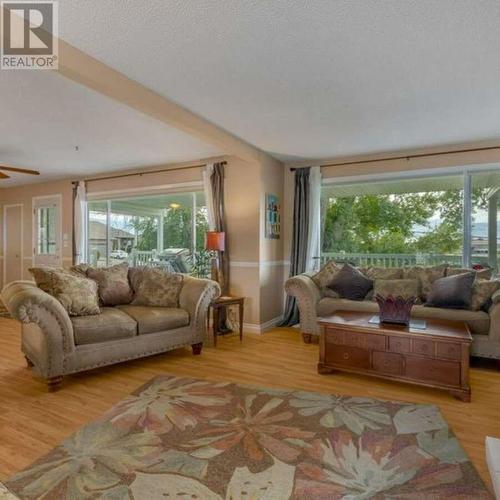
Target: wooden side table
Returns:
[223, 302]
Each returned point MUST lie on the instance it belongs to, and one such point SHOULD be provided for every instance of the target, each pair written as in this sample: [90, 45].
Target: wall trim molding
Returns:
[262, 327]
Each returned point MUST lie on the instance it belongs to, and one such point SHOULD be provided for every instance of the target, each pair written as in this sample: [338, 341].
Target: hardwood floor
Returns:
[33, 421]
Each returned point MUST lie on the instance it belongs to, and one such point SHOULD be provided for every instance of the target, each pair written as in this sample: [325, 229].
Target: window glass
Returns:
[159, 230]
[97, 233]
[394, 223]
[46, 221]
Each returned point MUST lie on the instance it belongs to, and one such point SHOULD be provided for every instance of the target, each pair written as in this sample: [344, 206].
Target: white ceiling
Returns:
[310, 78]
[44, 116]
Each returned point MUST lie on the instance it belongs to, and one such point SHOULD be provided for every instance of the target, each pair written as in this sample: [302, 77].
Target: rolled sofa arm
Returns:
[307, 295]
[494, 313]
[47, 328]
[195, 297]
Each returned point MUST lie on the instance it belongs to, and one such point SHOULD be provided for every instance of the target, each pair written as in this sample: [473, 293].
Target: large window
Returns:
[485, 211]
[448, 219]
[162, 230]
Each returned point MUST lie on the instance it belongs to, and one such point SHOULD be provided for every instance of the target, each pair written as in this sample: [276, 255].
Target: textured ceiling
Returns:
[44, 116]
[310, 78]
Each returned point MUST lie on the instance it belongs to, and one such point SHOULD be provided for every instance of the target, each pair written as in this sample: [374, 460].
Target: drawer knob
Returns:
[345, 355]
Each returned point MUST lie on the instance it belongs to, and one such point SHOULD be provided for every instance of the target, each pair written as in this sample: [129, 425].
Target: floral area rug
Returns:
[180, 438]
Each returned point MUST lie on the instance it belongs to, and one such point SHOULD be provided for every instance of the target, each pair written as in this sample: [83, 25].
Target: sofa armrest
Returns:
[494, 313]
[307, 295]
[29, 304]
[195, 297]
[495, 298]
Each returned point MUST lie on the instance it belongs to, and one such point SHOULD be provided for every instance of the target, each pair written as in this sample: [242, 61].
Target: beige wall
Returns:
[271, 251]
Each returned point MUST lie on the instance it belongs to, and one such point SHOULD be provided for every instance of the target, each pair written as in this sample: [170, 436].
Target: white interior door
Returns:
[13, 243]
[47, 231]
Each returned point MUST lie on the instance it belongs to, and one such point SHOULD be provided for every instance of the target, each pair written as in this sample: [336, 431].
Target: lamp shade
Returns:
[215, 241]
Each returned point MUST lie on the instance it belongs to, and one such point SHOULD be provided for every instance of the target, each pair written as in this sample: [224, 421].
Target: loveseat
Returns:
[57, 344]
[315, 301]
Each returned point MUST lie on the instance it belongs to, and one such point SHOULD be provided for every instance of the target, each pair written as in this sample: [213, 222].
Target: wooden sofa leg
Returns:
[307, 338]
[197, 348]
[54, 383]
[28, 362]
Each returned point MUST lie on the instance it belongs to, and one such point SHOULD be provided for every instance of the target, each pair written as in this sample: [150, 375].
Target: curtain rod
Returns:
[140, 174]
[407, 157]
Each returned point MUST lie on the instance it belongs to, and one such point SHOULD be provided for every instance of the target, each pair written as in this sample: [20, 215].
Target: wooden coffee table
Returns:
[435, 357]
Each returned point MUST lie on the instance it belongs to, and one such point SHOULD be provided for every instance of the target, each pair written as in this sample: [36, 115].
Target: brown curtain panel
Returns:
[217, 182]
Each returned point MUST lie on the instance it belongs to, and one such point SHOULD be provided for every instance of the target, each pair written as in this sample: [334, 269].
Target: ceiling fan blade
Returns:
[4, 176]
[20, 170]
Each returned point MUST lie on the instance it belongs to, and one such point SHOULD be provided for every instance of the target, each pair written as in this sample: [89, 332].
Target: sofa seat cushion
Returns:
[156, 319]
[111, 324]
[478, 321]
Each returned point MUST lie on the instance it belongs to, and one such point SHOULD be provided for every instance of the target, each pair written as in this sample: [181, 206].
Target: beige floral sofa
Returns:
[315, 300]
[56, 341]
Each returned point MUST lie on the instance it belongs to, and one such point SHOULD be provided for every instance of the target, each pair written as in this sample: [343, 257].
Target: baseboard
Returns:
[262, 327]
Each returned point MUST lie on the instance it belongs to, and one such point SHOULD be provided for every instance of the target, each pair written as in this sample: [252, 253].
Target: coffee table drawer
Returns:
[449, 350]
[388, 362]
[399, 344]
[365, 341]
[423, 347]
[433, 370]
[348, 356]
[333, 336]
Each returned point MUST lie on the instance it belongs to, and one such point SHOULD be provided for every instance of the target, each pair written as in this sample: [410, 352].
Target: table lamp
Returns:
[215, 242]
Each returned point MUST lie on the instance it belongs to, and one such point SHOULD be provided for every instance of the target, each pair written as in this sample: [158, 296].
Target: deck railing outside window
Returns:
[398, 260]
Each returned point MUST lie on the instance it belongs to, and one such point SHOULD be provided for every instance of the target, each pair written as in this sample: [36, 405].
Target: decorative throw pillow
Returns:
[350, 283]
[482, 291]
[483, 274]
[396, 288]
[114, 288]
[135, 276]
[80, 269]
[452, 292]
[426, 276]
[156, 287]
[43, 277]
[78, 295]
[326, 274]
[383, 273]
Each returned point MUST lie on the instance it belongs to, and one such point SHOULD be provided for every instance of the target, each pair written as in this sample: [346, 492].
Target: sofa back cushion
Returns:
[114, 287]
[77, 294]
[383, 273]
[351, 283]
[452, 292]
[396, 287]
[155, 287]
[426, 276]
